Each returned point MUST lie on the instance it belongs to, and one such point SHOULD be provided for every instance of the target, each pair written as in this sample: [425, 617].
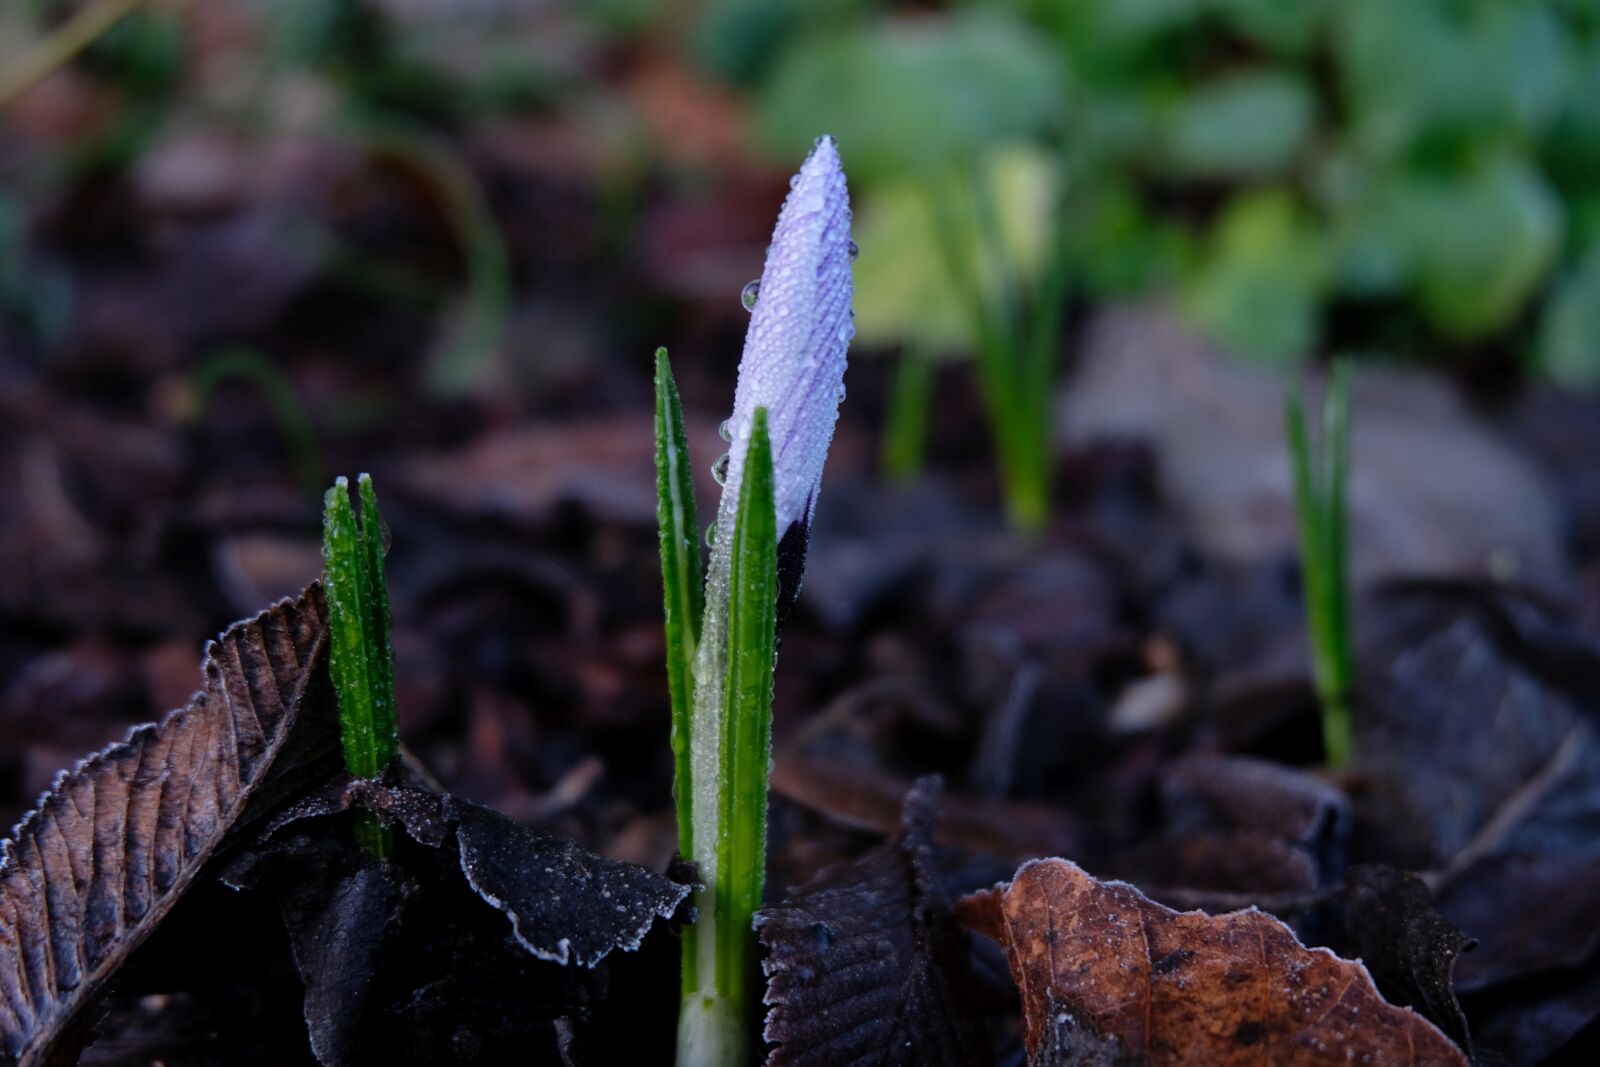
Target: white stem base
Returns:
[711, 1033]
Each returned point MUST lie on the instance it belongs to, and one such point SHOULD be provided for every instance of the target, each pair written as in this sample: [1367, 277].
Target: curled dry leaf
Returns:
[89, 874]
[1411, 951]
[565, 904]
[867, 966]
[1180, 988]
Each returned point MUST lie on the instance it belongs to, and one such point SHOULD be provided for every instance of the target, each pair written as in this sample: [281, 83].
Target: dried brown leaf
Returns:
[1181, 988]
[90, 873]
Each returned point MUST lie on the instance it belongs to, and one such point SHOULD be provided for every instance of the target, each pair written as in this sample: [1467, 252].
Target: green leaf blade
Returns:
[376, 620]
[683, 598]
[346, 587]
[747, 721]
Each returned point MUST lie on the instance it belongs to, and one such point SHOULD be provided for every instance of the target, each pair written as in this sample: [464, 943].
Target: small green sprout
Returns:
[1016, 339]
[1320, 509]
[905, 422]
[361, 657]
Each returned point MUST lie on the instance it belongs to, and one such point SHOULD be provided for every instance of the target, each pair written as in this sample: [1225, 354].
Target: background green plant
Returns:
[1435, 163]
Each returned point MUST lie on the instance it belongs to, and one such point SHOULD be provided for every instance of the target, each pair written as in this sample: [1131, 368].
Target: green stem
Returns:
[713, 1026]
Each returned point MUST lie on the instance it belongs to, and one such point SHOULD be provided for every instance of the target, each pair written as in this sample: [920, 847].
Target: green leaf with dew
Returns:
[747, 718]
[683, 599]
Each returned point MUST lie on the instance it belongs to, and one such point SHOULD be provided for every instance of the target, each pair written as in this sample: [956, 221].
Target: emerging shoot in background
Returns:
[721, 652]
[1016, 330]
[361, 656]
[1320, 510]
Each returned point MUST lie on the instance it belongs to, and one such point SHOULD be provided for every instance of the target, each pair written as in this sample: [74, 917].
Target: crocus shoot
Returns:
[361, 657]
[1320, 509]
[722, 647]
[1016, 334]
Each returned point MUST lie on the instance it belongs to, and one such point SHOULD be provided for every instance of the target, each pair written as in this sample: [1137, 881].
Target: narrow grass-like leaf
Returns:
[1320, 511]
[379, 643]
[360, 656]
[345, 581]
[680, 579]
[747, 723]
[1336, 460]
[905, 429]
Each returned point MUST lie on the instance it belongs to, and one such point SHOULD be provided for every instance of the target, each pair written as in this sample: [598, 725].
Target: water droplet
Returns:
[841, 394]
[854, 250]
[847, 331]
[725, 431]
[794, 180]
[750, 294]
[711, 536]
[719, 469]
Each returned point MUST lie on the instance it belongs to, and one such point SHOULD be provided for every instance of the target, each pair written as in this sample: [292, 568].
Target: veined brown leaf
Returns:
[1185, 987]
[90, 872]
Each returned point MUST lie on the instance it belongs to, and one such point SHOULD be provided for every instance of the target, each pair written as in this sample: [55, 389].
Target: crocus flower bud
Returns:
[794, 351]
[793, 366]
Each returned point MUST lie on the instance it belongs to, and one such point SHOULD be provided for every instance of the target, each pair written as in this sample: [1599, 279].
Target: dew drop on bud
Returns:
[725, 431]
[854, 250]
[750, 294]
[719, 469]
[711, 535]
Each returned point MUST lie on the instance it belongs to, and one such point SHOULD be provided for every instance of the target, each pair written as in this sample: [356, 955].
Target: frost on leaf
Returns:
[565, 904]
[397, 955]
[1184, 987]
[866, 965]
[93, 870]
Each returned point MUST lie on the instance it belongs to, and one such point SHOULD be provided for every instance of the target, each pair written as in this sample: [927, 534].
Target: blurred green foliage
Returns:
[1432, 163]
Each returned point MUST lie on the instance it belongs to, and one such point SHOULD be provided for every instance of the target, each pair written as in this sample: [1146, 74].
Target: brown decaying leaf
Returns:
[89, 873]
[1410, 951]
[1184, 987]
[865, 964]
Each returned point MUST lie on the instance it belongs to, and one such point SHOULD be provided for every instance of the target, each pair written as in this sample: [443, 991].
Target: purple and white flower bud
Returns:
[794, 351]
[793, 365]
